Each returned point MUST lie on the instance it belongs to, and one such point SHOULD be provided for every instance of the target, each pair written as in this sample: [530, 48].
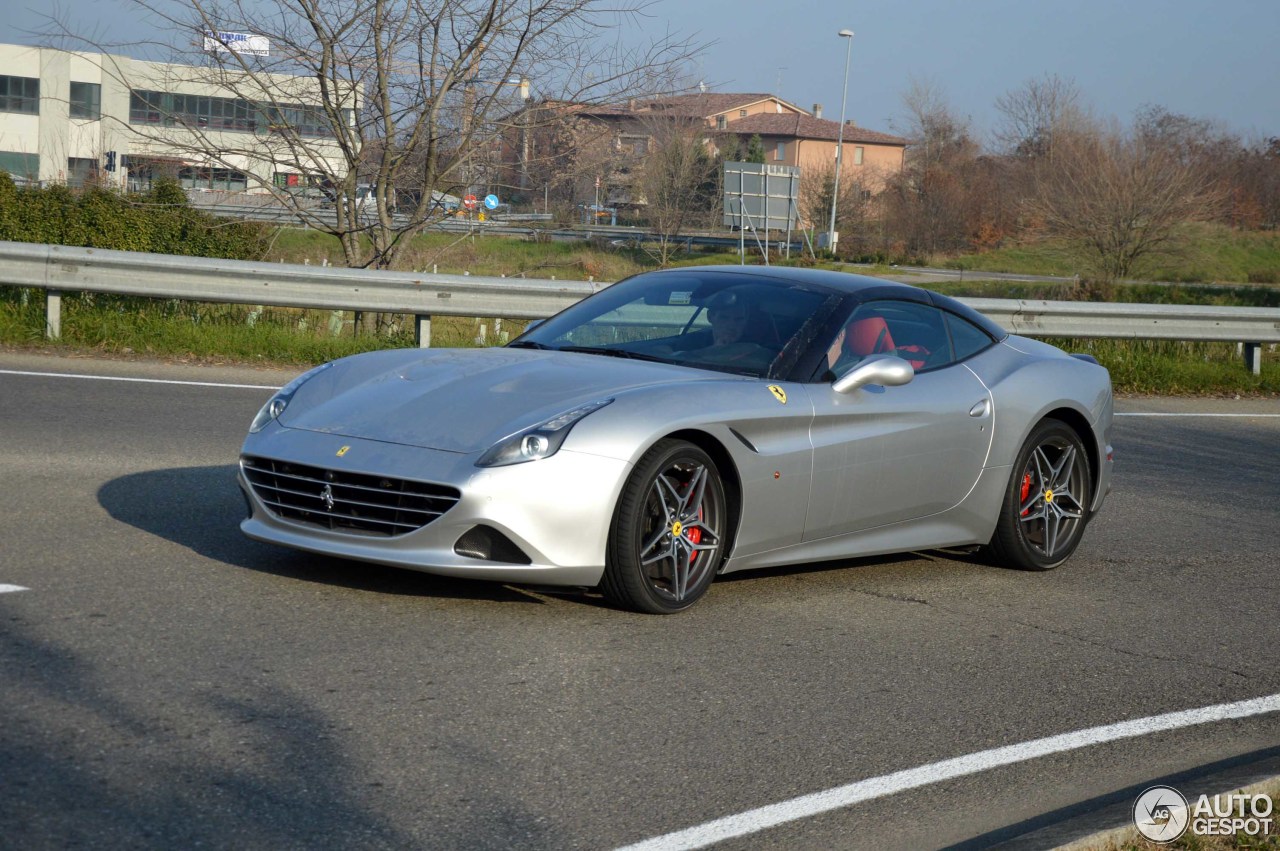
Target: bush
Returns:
[160, 221]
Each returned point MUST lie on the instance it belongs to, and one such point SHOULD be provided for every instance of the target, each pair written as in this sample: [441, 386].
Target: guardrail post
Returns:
[422, 330]
[53, 314]
[1253, 357]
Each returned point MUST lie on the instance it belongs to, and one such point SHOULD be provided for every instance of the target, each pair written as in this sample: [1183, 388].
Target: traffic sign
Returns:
[469, 202]
[491, 202]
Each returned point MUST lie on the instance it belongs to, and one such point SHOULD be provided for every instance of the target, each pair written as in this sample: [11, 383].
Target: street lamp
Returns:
[835, 189]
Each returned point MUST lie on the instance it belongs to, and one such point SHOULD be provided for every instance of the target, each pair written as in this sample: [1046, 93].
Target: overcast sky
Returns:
[1218, 60]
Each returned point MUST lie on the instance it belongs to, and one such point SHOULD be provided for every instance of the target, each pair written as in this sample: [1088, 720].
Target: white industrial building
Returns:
[70, 116]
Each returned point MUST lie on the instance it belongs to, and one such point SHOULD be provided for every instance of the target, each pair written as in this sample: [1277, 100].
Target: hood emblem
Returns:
[343, 451]
[326, 495]
[778, 393]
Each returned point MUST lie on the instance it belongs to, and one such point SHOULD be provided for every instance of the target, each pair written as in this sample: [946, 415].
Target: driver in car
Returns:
[731, 318]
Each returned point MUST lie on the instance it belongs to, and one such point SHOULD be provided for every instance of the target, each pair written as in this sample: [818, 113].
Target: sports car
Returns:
[686, 423]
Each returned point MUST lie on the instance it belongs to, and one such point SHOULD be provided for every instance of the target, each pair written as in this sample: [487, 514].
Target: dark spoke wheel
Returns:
[1046, 508]
[667, 538]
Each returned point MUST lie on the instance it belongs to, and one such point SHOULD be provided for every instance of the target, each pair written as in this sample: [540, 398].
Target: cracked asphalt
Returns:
[168, 683]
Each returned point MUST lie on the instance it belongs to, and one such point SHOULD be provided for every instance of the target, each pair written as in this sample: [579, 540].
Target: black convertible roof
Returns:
[861, 287]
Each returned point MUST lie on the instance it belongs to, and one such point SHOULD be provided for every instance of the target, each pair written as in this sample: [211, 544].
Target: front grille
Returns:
[346, 502]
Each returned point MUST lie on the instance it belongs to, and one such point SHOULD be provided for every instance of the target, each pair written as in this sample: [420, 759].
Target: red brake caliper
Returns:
[1026, 489]
[694, 534]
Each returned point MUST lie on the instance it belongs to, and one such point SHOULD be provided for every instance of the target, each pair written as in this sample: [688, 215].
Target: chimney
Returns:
[851, 123]
[631, 104]
[817, 110]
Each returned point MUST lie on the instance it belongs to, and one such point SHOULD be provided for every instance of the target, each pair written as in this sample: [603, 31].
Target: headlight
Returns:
[537, 442]
[276, 404]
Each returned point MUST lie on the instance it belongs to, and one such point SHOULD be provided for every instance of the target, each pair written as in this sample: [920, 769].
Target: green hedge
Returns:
[159, 221]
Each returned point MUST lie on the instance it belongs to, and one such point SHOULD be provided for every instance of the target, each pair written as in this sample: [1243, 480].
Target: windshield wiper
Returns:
[529, 344]
[613, 353]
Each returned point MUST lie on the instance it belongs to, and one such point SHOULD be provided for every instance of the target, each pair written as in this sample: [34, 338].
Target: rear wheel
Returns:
[667, 539]
[1046, 508]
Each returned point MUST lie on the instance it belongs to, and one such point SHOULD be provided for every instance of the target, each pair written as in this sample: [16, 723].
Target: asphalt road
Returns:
[167, 683]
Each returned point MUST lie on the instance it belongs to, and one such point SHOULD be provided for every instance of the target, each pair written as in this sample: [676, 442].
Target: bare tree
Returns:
[1118, 201]
[925, 204]
[854, 216]
[407, 96]
[1036, 114]
[677, 179]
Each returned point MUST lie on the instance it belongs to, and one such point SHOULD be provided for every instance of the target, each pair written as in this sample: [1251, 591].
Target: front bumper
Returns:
[557, 511]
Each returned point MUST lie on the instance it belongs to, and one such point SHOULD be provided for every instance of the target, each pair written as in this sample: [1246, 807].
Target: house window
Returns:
[721, 122]
[857, 155]
[742, 113]
[86, 101]
[81, 171]
[20, 94]
[780, 152]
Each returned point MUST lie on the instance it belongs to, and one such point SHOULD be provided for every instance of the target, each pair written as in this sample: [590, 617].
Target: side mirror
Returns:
[879, 369]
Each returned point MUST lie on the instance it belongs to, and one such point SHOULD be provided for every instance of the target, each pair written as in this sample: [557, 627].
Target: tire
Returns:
[1046, 507]
[667, 540]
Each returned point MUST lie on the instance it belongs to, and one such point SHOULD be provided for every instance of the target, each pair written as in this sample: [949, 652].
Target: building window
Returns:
[203, 112]
[780, 153]
[81, 171]
[86, 101]
[25, 168]
[224, 179]
[20, 94]
[721, 122]
[146, 107]
[742, 113]
[857, 155]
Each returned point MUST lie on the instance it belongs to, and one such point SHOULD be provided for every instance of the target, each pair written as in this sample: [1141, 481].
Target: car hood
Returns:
[464, 400]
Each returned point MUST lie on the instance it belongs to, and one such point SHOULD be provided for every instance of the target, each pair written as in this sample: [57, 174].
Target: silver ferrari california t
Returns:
[686, 423]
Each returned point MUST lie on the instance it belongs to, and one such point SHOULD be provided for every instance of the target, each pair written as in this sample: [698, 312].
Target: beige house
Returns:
[70, 117]
[809, 141]
[545, 138]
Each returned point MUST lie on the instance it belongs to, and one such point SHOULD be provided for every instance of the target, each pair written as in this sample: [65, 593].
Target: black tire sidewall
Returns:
[1011, 529]
[625, 581]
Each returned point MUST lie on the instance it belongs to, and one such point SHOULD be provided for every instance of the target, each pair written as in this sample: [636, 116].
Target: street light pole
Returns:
[835, 189]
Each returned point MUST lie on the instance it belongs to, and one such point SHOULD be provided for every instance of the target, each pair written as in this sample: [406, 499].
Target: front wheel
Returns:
[668, 534]
[1046, 506]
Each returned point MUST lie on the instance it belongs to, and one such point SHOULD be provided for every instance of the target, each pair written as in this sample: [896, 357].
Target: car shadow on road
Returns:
[200, 508]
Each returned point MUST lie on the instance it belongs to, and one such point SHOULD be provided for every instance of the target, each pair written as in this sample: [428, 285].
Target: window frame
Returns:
[26, 101]
[85, 109]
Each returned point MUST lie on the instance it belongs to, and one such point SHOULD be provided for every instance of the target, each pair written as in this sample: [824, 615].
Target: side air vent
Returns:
[484, 542]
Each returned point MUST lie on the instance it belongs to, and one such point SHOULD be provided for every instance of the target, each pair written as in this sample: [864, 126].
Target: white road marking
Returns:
[1158, 414]
[9, 589]
[140, 380]
[763, 818]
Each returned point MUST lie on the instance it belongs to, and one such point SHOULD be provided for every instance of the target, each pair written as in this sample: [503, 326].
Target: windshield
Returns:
[744, 324]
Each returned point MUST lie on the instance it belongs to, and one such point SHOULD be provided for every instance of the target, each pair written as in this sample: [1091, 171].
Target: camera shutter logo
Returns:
[1161, 814]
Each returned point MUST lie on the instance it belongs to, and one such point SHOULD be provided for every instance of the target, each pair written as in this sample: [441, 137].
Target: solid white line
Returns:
[140, 380]
[8, 589]
[1156, 414]
[753, 821]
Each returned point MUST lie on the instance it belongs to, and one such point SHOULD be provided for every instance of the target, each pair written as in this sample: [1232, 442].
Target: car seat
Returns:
[869, 336]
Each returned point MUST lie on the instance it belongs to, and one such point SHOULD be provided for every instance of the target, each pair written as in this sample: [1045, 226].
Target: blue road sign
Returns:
[491, 202]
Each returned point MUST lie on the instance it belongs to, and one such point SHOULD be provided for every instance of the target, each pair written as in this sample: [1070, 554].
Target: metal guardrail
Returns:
[58, 269]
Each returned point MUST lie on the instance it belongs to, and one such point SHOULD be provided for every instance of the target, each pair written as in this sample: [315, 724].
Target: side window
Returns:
[914, 332]
[967, 338]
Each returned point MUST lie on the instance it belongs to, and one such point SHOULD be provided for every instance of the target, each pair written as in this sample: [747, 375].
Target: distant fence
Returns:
[59, 269]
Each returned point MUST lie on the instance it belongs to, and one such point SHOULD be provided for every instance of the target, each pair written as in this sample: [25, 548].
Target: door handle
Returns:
[981, 409]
